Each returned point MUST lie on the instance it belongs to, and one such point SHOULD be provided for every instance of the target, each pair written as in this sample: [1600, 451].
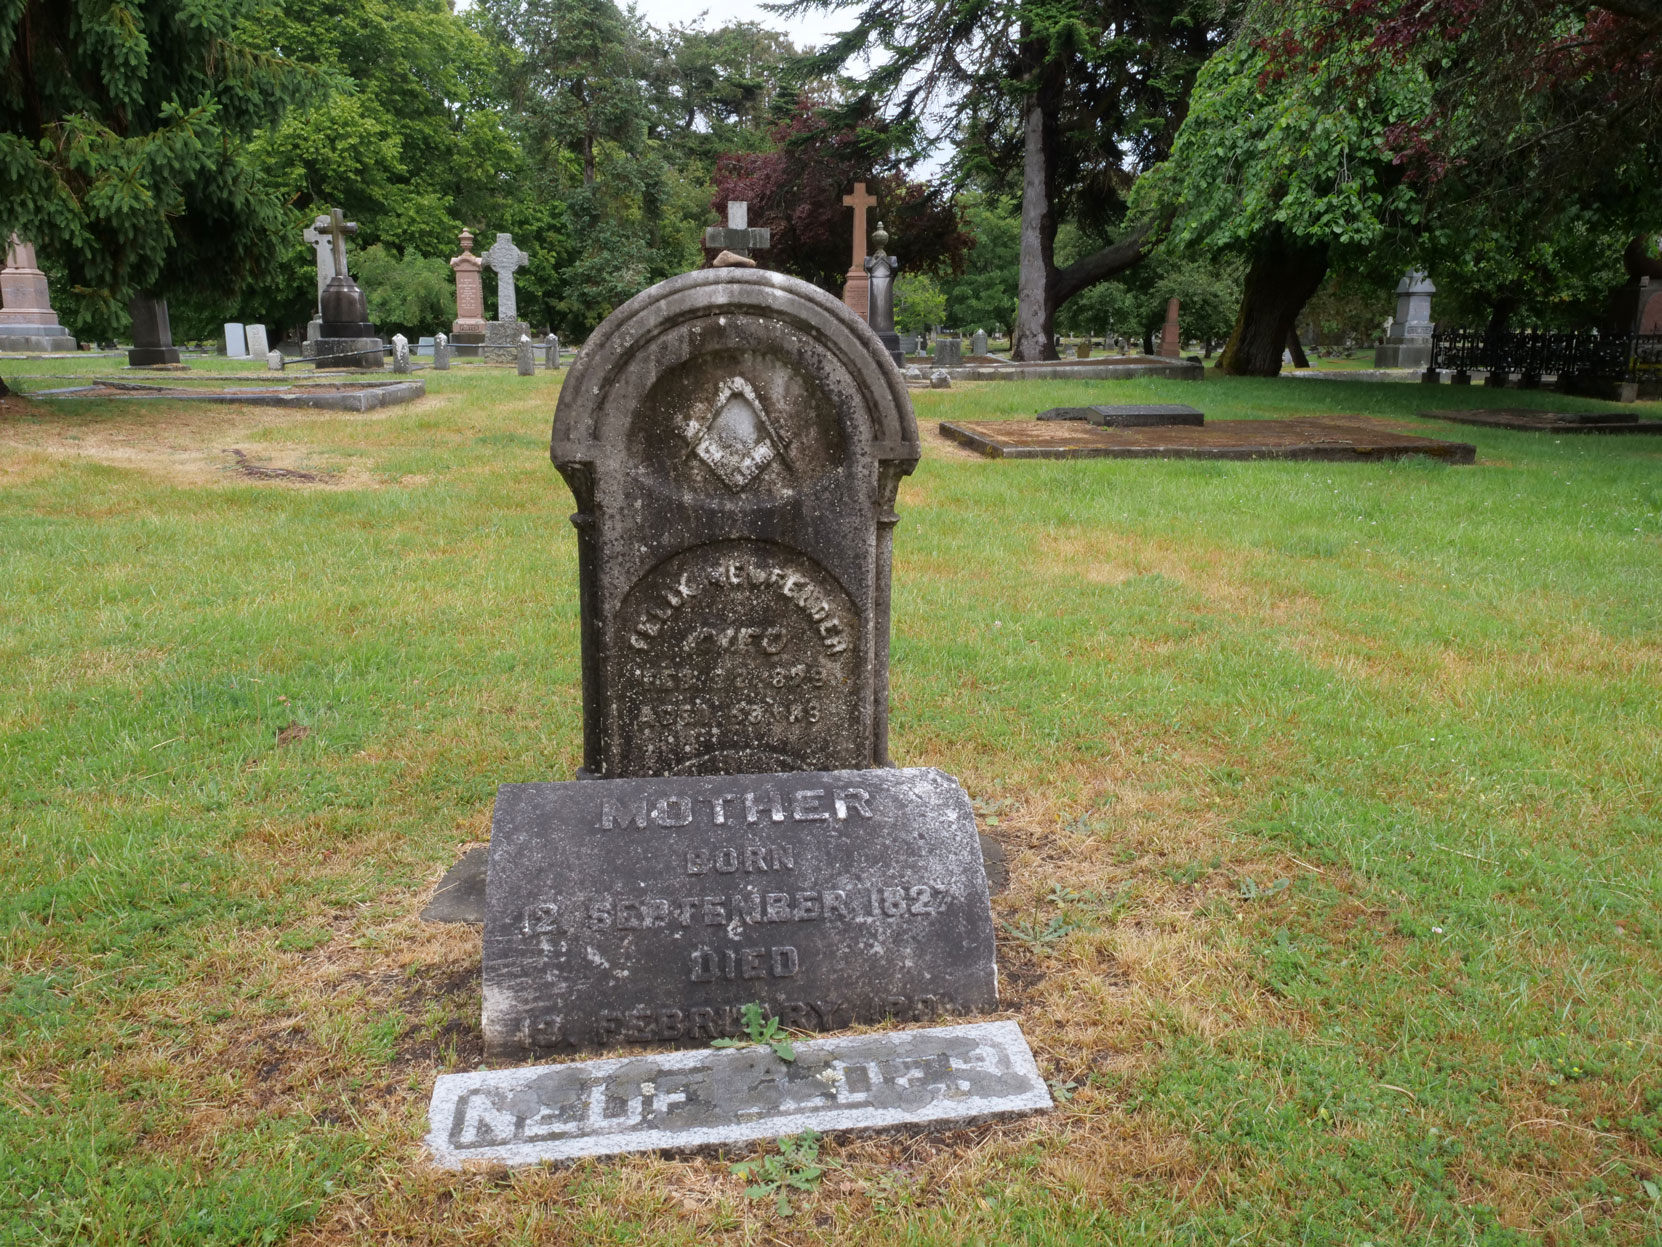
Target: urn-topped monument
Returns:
[734, 439]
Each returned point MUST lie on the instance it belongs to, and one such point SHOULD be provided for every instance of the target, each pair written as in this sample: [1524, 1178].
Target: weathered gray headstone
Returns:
[257, 344]
[647, 911]
[274, 361]
[1408, 341]
[526, 358]
[734, 439]
[942, 1077]
[551, 352]
[400, 353]
[424, 348]
[1129, 416]
[236, 341]
[441, 353]
[949, 351]
[908, 344]
[152, 333]
[978, 343]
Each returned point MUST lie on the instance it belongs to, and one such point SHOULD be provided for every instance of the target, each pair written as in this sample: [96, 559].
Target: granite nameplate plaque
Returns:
[944, 1076]
[650, 911]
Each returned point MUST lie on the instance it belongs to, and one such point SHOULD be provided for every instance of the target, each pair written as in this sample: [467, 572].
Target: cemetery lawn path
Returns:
[1332, 796]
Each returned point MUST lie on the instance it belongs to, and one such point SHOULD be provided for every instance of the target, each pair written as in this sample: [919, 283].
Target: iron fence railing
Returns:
[1532, 354]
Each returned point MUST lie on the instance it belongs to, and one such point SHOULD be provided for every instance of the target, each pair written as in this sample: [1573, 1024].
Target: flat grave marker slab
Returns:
[1354, 440]
[945, 1076]
[1529, 420]
[650, 911]
[1130, 415]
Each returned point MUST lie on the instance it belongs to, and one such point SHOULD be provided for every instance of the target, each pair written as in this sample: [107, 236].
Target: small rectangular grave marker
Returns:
[1129, 416]
[945, 1076]
[650, 911]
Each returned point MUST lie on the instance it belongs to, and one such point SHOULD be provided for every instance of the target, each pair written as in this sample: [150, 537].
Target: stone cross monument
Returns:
[468, 329]
[27, 321]
[318, 239]
[855, 284]
[346, 339]
[502, 335]
[737, 237]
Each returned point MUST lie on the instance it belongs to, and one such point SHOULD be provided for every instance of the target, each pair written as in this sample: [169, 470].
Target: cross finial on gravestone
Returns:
[505, 260]
[859, 201]
[336, 227]
[737, 236]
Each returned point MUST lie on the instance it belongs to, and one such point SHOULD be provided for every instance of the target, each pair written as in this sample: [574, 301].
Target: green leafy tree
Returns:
[124, 147]
[409, 294]
[984, 296]
[919, 304]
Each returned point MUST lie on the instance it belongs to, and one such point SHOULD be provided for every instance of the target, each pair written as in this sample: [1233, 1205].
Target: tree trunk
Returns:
[1032, 337]
[1500, 315]
[4, 391]
[1296, 348]
[1283, 275]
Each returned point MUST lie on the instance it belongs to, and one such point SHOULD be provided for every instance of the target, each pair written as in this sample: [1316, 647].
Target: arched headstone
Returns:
[734, 439]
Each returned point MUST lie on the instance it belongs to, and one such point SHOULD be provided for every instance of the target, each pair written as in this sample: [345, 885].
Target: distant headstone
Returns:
[940, 380]
[274, 361]
[978, 343]
[660, 907]
[1171, 340]
[1408, 341]
[931, 1077]
[526, 358]
[551, 351]
[1130, 416]
[441, 353]
[908, 344]
[856, 283]
[152, 333]
[400, 353]
[1082, 350]
[740, 623]
[914, 373]
[236, 341]
[424, 348]
[949, 351]
[880, 274]
[468, 329]
[255, 338]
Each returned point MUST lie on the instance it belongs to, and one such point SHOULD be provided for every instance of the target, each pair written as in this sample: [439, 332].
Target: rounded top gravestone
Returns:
[734, 439]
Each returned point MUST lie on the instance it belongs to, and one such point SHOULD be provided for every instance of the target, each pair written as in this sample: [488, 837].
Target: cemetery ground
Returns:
[1331, 796]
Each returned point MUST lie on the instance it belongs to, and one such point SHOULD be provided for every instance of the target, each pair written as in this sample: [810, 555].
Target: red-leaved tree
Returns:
[796, 190]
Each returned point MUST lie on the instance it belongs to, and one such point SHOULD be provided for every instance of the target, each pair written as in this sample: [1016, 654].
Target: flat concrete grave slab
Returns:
[1353, 439]
[943, 1077]
[1528, 420]
[651, 911]
[1129, 416]
[334, 395]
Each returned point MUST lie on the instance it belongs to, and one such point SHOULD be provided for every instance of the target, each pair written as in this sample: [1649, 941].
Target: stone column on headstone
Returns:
[775, 518]
[274, 361]
[1171, 339]
[152, 334]
[978, 343]
[27, 321]
[346, 339]
[255, 337]
[855, 293]
[441, 353]
[502, 335]
[236, 341]
[467, 331]
[526, 357]
[318, 238]
[400, 353]
[551, 351]
[737, 239]
[1408, 340]
[880, 274]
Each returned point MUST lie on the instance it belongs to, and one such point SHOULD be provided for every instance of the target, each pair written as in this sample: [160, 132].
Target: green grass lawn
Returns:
[247, 724]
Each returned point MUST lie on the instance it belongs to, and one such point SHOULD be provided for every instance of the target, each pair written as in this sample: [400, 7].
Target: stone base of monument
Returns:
[1409, 354]
[1132, 416]
[152, 356]
[1353, 439]
[468, 345]
[941, 1077]
[629, 912]
[347, 352]
[36, 340]
[502, 340]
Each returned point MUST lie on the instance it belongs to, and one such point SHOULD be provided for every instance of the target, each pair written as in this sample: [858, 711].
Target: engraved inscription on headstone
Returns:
[943, 1076]
[734, 439]
[650, 911]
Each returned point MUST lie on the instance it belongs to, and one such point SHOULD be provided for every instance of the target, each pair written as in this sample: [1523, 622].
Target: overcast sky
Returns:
[812, 29]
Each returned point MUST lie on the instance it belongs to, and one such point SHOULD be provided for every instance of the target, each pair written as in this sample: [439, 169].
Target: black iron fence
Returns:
[1532, 354]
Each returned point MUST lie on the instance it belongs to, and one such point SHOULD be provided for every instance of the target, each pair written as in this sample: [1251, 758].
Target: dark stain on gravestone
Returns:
[734, 440]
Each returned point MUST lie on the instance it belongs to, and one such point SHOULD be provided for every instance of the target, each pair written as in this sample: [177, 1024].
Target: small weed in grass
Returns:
[1249, 889]
[794, 1167]
[760, 1031]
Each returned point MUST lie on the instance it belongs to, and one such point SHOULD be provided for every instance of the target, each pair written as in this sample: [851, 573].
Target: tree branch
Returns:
[1112, 259]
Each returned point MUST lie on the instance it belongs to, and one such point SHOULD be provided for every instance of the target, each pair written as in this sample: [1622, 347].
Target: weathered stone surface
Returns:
[525, 358]
[1129, 416]
[734, 439]
[978, 343]
[940, 379]
[400, 353]
[236, 341]
[505, 260]
[943, 1076]
[501, 341]
[152, 333]
[274, 361]
[1171, 337]
[460, 896]
[949, 351]
[649, 911]
[441, 352]
[27, 321]
[258, 344]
